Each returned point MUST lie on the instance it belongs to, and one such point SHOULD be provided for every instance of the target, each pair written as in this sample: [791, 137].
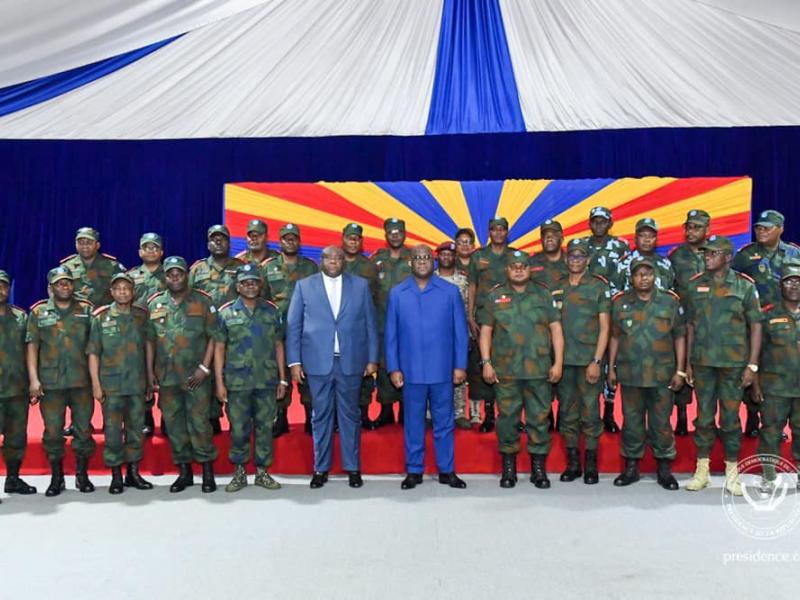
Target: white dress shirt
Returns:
[333, 289]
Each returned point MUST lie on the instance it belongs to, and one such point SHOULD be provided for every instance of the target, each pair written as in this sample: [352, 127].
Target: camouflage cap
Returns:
[641, 261]
[175, 262]
[578, 245]
[256, 225]
[698, 217]
[394, 224]
[646, 223]
[790, 269]
[465, 231]
[718, 242]
[770, 218]
[516, 257]
[59, 273]
[248, 272]
[600, 211]
[289, 228]
[448, 245]
[5, 277]
[89, 233]
[498, 222]
[353, 229]
[219, 229]
[550, 225]
[123, 277]
[150, 238]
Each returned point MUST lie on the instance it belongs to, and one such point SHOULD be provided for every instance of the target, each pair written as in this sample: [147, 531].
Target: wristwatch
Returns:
[596, 361]
[486, 361]
[753, 367]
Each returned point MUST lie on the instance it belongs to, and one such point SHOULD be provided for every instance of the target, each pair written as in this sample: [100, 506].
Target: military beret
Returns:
[353, 229]
[465, 231]
[5, 277]
[248, 272]
[58, 274]
[578, 245]
[89, 233]
[770, 218]
[394, 224]
[175, 262]
[123, 277]
[698, 217]
[641, 261]
[646, 223]
[718, 242]
[448, 245]
[550, 225]
[256, 225]
[516, 257]
[150, 238]
[289, 228]
[219, 229]
[600, 211]
[498, 222]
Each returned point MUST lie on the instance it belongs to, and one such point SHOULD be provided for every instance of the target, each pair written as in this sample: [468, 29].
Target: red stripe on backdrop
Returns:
[316, 196]
[728, 226]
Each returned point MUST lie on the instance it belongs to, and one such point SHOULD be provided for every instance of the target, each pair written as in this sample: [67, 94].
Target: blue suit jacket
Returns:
[310, 326]
[426, 332]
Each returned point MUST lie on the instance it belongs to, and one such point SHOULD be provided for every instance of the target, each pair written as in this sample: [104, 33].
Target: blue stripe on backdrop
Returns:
[420, 200]
[22, 95]
[482, 200]
[474, 88]
[50, 188]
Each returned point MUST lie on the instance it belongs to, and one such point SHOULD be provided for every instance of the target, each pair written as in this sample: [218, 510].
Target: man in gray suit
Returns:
[332, 342]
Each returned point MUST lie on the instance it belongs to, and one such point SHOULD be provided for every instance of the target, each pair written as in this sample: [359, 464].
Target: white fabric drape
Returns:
[284, 68]
[611, 64]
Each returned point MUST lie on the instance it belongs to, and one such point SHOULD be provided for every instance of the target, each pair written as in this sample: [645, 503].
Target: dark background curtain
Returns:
[123, 188]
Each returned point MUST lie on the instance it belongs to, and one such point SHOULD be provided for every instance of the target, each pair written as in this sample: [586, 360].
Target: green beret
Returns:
[516, 257]
[578, 245]
[150, 238]
[498, 222]
[550, 225]
[5, 277]
[698, 217]
[256, 225]
[89, 233]
[394, 224]
[718, 242]
[58, 274]
[219, 229]
[175, 262]
[289, 228]
[640, 261]
[123, 277]
[248, 272]
[770, 218]
[646, 223]
[353, 229]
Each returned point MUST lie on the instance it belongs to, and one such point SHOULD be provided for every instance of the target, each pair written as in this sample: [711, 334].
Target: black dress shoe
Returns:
[411, 481]
[318, 479]
[354, 479]
[453, 480]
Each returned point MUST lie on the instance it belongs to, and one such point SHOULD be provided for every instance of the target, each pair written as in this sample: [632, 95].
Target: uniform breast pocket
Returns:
[625, 322]
[782, 334]
[194, 323]
[662, 321]
[202, 276]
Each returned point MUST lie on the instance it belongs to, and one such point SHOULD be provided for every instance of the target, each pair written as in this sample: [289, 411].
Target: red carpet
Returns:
[381, 451]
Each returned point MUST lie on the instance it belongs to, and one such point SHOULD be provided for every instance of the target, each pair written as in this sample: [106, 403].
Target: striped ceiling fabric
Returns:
[433, 210]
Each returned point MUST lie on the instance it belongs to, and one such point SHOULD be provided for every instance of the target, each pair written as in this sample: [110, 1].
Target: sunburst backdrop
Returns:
[434, 210]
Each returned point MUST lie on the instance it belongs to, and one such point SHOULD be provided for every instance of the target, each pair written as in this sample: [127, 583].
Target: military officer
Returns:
[180, 347]
[57, 334]
[520, 330]
[13, 380]
[646, 242]
[646, 355]
[393, 264]
[465, 247]
[91, 269]
[487, 268]
[282, 273]
[687, 261]
[586, 321]
[117, 369]
[258, 252]
[250, 370]
[723, 346]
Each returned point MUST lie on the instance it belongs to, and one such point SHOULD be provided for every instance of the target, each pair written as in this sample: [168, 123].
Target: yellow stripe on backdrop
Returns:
[517, 195]
[450, 196]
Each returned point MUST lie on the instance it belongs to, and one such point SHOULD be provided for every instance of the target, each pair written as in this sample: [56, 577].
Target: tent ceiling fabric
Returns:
[782, 13]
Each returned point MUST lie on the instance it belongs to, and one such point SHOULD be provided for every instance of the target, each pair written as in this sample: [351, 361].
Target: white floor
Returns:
[381, 542]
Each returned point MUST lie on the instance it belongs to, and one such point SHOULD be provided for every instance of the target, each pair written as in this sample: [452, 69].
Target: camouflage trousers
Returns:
[14, 427]
[302, 390]
[387, 393]
[775, 412]
[718, 387]
[123, 420]
[478, 388]
[579, 408]
[251, 412]
[512, 396]
[186, 414]
[53, 406]
[646, 412]
[365, 393]
[460, 401]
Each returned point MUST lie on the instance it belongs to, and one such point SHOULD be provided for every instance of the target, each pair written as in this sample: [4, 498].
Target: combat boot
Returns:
[239, 480]
[82, 483]
[281, 424]
[134, 479]
[265, 480]
[590, 475]
[630, 474]
[116, 487]
[509, 477]
[732, 483]
[665, 477]
[609, 424]
[57, 484]
[209, 485]
[573, 470]
[386, 417]
[538, 472]
[474, 412]
[700, 479]
[682, 423]
[15, 485]
[185, 478]
[752, 425]
[488, 420]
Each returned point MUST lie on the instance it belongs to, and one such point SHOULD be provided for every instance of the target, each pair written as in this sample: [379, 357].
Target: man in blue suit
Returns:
[332, 342]
[426, 354]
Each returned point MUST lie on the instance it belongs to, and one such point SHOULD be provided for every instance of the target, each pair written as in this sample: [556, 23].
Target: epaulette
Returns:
[109, 256]
[227, 304]
[601, 278]
[39, 303]
[747, 277]
[66, 258]
[140, 307]
[495, 286]
[674, 295]
[152, 296]
[793, 244]
[541, 284]
[617, 295]
[85, 302]
[206, 294]
[767, 308]
[270, 259]
[745, 246]
[15, 308]
[241, 254]
[195, 263]
[696, 275]
[100, 310]
[272, 304]
[673, 250]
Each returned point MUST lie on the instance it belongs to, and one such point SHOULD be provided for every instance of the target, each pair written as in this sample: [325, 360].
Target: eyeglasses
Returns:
[791, 283]
[421, 257]
[714, 252]
[577, 256]
[464, 242]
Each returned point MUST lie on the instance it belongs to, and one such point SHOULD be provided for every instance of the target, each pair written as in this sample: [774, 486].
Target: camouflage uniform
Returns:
[13, 384]
[147, 282]
[61, 337]
[247, 258]
[118, 340]
[764, 267]
[720, 313]
[665, 275]
[216, 280]
[460, 391]
[251, 375]
[363, 267]
[180, 333]
[605, 255]
[93, 282]
[646, 331]
[550, 273]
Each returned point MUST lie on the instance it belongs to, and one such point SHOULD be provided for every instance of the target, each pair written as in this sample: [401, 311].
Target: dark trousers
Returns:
[415, 400]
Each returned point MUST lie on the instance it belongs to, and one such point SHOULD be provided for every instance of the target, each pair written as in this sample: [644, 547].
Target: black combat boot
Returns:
[509, 477]
[682, 423]
[488, 419]
[281, 424]
[185, 478]
[209, 485]
[56, 479]
[630, 474]
[538, 472]
[573, 470]
[752, 425]
[15, 485]
[590, 475]
[117, 486]
[134, 479]
[665, 478]
[82, 483]
[386, 417]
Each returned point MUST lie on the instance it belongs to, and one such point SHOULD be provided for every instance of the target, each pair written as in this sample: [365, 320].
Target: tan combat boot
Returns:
[700, 478]
[732, 483]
